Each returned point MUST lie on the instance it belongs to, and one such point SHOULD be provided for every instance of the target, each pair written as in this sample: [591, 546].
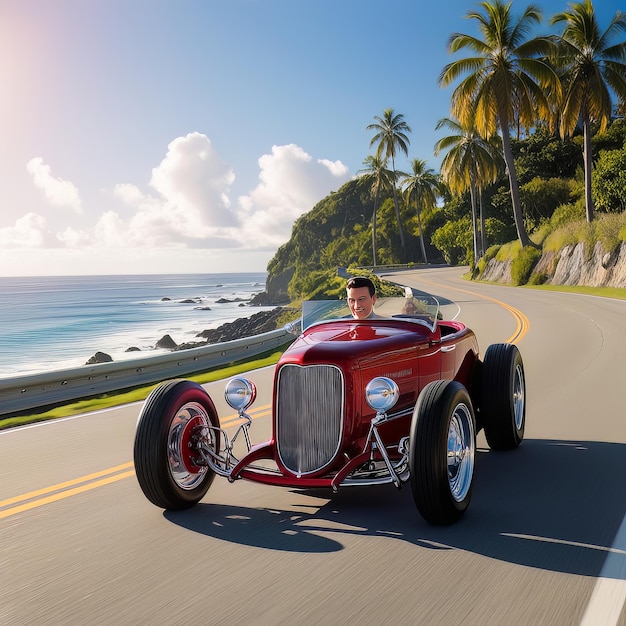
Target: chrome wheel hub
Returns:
[518, 397]
[188, 427]
[460, 452]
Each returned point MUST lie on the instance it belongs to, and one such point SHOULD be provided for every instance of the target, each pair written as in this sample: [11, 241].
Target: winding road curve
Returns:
[543, 542]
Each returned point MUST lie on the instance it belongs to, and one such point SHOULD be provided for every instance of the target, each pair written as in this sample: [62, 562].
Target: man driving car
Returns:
[361, 296]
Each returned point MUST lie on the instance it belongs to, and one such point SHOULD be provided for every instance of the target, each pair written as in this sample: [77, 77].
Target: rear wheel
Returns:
[442, 449]
[176, 417]
[503, 396]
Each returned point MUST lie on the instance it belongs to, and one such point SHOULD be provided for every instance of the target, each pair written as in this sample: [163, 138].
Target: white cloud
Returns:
[57, 191]
[75, 239]
[191, 207]
[291, 183]
[187, 207]
[195, 183]
[336, 168]
[30, 231]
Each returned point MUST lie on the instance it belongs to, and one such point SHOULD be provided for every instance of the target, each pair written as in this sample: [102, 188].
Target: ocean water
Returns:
[53, 323]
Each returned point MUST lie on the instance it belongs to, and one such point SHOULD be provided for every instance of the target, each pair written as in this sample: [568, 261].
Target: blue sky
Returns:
[169, 136]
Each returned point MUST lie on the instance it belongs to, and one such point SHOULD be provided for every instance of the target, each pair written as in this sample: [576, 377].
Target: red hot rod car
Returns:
[395, 399]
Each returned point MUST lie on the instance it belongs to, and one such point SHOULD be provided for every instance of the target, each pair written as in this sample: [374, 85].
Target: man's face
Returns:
[360, 302]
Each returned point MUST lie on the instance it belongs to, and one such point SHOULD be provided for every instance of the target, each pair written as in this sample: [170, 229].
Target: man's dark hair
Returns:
[361, 281]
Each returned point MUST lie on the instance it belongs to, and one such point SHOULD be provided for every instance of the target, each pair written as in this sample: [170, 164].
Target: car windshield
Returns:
[421, 309]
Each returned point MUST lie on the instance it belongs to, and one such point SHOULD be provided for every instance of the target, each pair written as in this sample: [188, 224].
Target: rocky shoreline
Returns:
[261, 322]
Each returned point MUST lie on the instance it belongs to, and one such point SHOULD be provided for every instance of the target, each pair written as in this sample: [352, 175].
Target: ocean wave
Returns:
[61, 322]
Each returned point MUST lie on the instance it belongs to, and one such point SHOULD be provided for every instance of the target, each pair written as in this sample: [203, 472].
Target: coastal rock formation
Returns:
[599, 269]
[99, 357]
[572, 265]
[497, 272]
[261, 322]
[275, 290]
[166, 342]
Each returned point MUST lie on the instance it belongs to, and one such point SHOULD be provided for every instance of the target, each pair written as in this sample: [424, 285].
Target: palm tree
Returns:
[381, 179]
[508, 81]
[471, 163]
[423, 185]
[592, 67]
[390, 135]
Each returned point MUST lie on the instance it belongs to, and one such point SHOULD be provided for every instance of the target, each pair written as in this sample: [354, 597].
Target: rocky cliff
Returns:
[276, 290]
[572, 265]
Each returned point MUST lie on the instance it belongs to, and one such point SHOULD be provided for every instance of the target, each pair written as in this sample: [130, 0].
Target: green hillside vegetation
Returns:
[534, 158]
[337, 232]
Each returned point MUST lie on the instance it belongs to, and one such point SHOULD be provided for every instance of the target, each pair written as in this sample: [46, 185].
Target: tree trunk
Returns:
[515, 197]
[474, 220]
[374, 229]
[419, 225]
[396, 205]
[588, 161]
[483, 234]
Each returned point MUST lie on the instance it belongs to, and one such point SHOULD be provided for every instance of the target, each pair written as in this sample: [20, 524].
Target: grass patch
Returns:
[508, 251]
[603, 292]
[484, 260]
[608, 229]
[523, 263]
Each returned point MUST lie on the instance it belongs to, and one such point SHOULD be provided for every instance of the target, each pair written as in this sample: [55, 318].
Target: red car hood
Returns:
[340, 342]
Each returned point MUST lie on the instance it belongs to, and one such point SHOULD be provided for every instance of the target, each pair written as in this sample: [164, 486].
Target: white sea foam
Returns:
[53, 323]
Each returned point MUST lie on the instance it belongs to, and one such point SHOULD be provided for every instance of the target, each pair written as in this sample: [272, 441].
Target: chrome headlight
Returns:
[382, 393]
[240, 393]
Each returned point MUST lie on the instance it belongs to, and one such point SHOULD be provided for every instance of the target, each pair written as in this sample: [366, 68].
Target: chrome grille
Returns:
[309, 416]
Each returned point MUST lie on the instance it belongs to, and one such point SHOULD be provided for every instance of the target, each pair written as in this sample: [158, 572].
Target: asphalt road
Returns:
[543, 542]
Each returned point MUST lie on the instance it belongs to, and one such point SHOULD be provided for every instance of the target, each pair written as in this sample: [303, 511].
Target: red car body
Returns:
[393, 399]
[409, 353]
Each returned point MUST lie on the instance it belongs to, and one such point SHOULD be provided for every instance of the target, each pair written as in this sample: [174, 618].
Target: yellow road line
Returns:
[231, 420]
[53, 493]
[523, 324]
[64, 494]
[61, 486]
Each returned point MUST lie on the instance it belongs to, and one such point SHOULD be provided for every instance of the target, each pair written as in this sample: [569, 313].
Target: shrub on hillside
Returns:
[455, 241]
[607, 229]
[523, 264]
[541, 197]
[482, 262]
[609, 181]
[571, 212]
[329, 285]
[537, 278]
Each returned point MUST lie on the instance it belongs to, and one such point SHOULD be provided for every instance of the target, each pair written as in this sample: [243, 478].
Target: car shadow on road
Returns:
[553, 505]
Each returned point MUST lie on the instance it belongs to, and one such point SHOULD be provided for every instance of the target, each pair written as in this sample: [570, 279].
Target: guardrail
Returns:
[24, 393]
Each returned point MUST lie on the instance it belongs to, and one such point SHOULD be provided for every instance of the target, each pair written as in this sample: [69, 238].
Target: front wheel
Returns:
[442, 448]
[176, 418]
[503, 396]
